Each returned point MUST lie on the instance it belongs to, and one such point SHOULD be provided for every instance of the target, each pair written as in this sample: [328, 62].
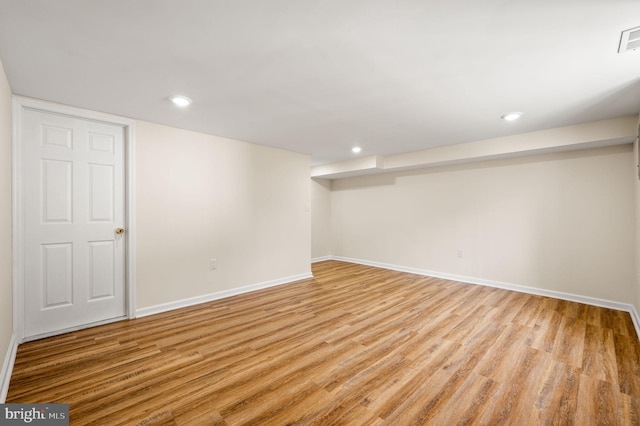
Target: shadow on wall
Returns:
[325, 183]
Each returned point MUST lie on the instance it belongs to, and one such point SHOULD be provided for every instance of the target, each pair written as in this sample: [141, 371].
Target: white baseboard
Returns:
[151, 310]
[7, 368]
[636, 319]
[321, 259]
[507, 286]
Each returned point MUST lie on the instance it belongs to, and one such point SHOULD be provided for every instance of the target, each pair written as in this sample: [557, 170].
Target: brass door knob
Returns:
[119, 231]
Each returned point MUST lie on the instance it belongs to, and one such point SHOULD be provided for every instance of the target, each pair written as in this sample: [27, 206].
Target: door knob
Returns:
[119, 231]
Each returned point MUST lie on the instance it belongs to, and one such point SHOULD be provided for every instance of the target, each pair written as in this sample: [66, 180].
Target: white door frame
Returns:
[21, 104]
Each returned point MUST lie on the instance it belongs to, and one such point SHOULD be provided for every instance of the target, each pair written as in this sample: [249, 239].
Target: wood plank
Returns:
[599, 357]
[569, 345]
[599, 403]
[556, 403]
[354, 345]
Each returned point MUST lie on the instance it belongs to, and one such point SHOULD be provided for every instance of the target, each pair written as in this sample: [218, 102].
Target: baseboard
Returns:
[7, 368]
[507, 286]
[321, 259]
[151, 310]
[636, 320]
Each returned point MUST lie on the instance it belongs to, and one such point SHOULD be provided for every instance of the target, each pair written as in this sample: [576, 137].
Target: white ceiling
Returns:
[318, 77]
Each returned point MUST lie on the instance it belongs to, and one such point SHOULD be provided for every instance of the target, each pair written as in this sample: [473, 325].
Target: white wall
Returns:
[320, 218]
[6, 309]
[201, 196]
[561, 222]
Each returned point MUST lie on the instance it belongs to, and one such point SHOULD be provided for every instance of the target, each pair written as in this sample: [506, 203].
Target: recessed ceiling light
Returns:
[181, 101]
[512, 116]
[356, 149]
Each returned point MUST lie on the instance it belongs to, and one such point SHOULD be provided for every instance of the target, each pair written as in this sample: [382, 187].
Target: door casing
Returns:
[21, 104]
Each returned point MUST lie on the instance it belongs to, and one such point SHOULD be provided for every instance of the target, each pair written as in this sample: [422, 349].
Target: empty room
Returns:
[319, 213]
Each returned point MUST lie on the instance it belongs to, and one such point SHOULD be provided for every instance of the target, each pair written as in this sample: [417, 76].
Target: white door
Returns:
[73, 192]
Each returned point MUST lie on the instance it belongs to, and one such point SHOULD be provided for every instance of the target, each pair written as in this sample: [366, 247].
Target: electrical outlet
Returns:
[213, 263]
[460, 253]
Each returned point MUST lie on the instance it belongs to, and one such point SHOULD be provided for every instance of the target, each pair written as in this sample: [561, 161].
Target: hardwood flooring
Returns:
[355, 345]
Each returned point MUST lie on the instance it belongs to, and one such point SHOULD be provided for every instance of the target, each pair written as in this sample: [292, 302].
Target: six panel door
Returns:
[73, 189]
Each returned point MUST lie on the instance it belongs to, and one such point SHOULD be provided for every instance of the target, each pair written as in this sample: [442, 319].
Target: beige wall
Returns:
[320, 218]
[561, 222]
[636, 180]
[201, 196]
[6, 310]
[593, 134]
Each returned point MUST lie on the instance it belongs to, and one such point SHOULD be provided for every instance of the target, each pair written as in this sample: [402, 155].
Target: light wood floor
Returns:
[355, 345]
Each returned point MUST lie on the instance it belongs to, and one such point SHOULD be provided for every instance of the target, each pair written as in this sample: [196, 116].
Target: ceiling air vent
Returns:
[630, 40]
